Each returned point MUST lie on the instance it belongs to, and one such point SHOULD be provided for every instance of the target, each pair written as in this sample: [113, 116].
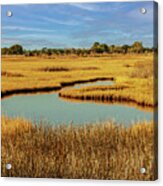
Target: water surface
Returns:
[105, 82]
[51, 108]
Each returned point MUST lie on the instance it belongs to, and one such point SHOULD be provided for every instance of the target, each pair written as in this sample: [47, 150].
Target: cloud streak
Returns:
[60, 22]
[85, 6]
[98, 7]
[21, 28]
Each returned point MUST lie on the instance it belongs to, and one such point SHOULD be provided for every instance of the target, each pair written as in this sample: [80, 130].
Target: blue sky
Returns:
[77, 24]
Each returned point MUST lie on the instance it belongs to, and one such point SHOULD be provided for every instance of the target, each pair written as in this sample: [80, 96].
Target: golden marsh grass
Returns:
[135, 71]
[100, 151]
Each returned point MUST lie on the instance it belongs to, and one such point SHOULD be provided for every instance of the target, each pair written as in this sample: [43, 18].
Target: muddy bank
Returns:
[49, 89]
[129, 104]
[64, 84]
[29, 90]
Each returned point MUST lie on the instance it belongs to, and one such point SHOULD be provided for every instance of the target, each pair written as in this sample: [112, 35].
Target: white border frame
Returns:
[70, 182]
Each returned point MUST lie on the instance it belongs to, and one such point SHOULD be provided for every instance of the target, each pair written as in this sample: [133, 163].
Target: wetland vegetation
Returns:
[100, 150]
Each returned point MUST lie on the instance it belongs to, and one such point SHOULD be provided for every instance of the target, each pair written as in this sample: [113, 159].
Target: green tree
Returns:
[137, 47]
[104, 48]
[96, 47]
[49, 52]
[118, 49]
[16, 49]
[125, 48]
[5, 51]
[78, 51]
[112, 48]
[44, 50]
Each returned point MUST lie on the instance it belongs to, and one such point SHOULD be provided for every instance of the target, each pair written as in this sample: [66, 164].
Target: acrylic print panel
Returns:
[79, 90]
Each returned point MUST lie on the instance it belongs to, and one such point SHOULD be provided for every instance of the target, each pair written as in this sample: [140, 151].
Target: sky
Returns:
[77, 25]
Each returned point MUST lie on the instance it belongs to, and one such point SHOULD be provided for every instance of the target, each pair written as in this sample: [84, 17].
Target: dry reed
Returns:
[94, 151]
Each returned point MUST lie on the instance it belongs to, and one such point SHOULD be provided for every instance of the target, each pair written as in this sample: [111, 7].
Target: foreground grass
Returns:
[102, 151]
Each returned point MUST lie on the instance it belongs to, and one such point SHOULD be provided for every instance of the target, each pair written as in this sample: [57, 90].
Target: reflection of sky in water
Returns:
[55, 110]
[94, 84]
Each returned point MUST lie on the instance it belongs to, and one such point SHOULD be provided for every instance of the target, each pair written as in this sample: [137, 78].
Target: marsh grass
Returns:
[142, 71]
[63, 69]
[36, 74]
[134, 84]
[93, 151]
[111, 93]
[54, 69]
[10, 74]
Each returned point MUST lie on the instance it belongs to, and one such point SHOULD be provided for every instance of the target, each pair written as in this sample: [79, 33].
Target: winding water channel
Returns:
[49, 107]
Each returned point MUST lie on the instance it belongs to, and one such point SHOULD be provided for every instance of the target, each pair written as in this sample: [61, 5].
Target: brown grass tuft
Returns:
[9, 74]
[54, 69]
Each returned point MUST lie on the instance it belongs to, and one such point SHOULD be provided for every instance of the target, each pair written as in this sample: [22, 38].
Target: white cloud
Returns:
[20, 28]
[61, 22]
[85, 6]
[100, 7]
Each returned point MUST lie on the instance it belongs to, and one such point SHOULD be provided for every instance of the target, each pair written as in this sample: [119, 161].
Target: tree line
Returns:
[97, 48]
